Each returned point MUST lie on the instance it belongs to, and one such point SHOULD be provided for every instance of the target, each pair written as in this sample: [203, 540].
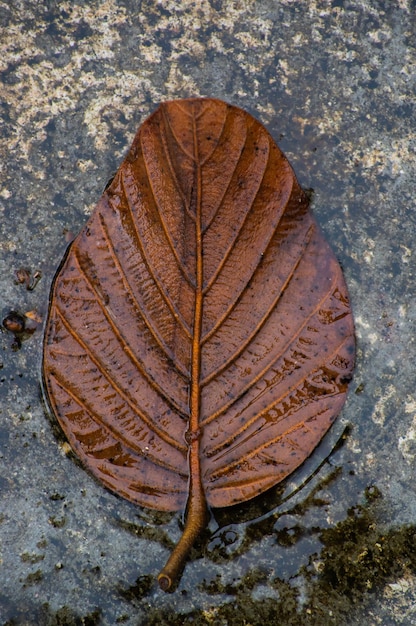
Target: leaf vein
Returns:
[153, 273]
[116, 434]
[125, 346]
[265, 317]
[128, 288]
[284, 350]
[162, 223]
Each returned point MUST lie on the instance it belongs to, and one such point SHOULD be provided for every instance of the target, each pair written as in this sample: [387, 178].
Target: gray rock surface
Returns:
[334, 82]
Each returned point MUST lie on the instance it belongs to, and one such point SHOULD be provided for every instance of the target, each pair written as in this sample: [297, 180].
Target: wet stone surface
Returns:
[334, 83]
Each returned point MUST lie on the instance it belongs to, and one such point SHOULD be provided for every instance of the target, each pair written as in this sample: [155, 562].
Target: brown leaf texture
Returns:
[200, 339]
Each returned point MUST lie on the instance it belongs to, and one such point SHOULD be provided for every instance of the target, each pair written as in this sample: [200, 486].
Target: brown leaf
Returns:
[200, 339]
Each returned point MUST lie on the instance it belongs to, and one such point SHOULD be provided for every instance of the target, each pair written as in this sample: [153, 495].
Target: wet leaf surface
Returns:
[200, 340]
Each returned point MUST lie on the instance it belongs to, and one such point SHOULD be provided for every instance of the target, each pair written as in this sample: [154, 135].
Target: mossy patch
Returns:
[63, 617]
[356, 560]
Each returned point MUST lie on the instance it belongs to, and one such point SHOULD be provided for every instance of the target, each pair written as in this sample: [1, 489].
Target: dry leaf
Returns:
[200, 339]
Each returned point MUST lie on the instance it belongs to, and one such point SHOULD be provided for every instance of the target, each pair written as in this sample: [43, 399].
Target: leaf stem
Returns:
[196, 520]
